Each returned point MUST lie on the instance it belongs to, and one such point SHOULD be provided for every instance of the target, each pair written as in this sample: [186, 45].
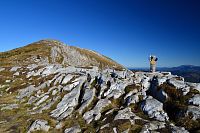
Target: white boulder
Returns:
[195, 100]
[39, 125]
[66, 106]
[95, 113]
[154, 109]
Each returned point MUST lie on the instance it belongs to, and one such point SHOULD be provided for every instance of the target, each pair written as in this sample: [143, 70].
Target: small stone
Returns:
[16, 74]
[106, 125]
[54, 92]
[2, 69]
[60, 125]
[75, 129]
[13, 69]
[10, 107]
[32, 99]
[8, 81]
[115, 130]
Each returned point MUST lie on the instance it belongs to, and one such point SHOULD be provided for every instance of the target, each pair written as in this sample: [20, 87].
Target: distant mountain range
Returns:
[189, 72]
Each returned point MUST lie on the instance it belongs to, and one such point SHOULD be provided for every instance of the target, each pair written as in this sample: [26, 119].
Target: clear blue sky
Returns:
[126, 30]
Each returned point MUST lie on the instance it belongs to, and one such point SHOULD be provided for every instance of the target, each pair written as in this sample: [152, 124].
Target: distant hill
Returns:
[189, 72]
[55, 52]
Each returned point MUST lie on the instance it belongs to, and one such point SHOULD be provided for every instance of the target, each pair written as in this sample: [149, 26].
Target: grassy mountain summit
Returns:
[55, 52]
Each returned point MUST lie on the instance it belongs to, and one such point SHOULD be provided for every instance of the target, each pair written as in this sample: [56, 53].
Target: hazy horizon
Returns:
[124, 30]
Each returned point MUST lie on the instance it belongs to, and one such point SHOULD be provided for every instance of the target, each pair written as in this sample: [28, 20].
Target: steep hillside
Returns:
[54, 52]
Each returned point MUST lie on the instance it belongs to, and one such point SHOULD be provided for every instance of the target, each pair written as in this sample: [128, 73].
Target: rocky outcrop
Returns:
[69, 89]
[39, 125]
[95, 113]
[90, 95]
[10, 107]
[74, 129]
[195, 100]
[127, 114]
[67, 105]
[152, 126]
[87, 99]
[154, 109]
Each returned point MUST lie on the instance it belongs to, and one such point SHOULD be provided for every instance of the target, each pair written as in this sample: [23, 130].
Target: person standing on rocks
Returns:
[153, 59]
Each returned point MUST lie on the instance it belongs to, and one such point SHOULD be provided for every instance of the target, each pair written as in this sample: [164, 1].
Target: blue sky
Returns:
[126, 30]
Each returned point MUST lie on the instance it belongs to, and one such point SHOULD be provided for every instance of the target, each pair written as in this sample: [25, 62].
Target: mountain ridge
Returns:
[53, 51]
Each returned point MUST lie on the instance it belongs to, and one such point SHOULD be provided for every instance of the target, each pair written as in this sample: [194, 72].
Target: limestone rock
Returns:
[60, 125]
[95, 113]
[195, 86]
[176, 129]
[16, 74]
[71, 86]
[26, 92]
[74, 129]
[115, 130]
[46, 105]
[152, 126]
[66, 106]
[195, 111]
[104, 126]
[177, 83]
[145, 82]
[116, 90]
[132, 99]
[195, 100]
[161, 80]
[67, 79]
[10, 107]
[2, 69]
[32, 99]
[126, 114]
[87, 99]
[39, 125]
[154, 109]
[185, 90]
[42, 99]
[13, 69]
[59, 79]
